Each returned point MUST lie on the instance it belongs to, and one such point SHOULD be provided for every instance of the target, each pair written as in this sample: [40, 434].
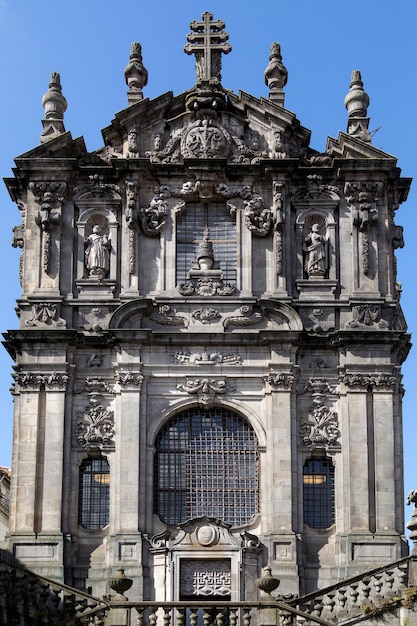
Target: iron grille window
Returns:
[318, 493]
[206, 463]
[94, 488]
[222, 234]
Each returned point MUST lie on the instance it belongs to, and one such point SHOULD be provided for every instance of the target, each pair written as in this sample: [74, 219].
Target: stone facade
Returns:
[206, 258]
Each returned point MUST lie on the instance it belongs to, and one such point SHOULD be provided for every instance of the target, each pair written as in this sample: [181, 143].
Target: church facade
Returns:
[208, 359]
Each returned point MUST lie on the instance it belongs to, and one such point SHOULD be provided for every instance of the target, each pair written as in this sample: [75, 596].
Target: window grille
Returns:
[318, 492]
[222, 234]
[206, 463]
[94, 488]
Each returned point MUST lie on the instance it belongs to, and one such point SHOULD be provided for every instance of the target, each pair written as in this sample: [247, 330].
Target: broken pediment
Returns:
[204, 532]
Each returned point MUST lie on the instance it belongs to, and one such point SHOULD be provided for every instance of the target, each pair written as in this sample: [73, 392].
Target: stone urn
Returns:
[267, 583]
[120, 583]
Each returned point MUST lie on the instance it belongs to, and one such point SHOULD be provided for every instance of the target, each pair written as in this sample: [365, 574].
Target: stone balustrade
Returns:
[363, 594]
[27, 598]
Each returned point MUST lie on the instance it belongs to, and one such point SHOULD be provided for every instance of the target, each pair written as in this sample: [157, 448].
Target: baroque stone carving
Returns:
[364, 382]
[206, 287]
[96, 385]
[49, 196]
[34, 381]
[320, 427]
[363, 196]
[153, 218]
[367, 315]
[166, 316]
[206, 315]
[95, 427]
[280, 380]
[96, 187]
[258, 219]
[46, 314]
[315, 248]
[131, 214]
[206, 389]
[315, 188]
[277, 195]
[318, 320]
[97, 253]
[130, 380]
[196, 358]
[318, 387]
[248, 316]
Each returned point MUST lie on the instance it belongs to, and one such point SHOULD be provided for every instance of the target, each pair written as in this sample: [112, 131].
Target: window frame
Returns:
[93, 494]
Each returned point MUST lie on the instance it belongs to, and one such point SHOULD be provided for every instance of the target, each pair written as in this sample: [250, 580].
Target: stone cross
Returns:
[207, 42]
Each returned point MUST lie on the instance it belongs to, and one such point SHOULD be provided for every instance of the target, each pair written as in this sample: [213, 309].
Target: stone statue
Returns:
[97, 254]
[315, 249]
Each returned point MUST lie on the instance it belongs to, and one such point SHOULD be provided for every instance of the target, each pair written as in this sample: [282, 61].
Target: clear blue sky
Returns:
[322, 41]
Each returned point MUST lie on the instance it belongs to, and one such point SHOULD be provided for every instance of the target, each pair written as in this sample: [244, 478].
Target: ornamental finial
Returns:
[136, 74]
[357, 102]
[276, 75]
[54, 105]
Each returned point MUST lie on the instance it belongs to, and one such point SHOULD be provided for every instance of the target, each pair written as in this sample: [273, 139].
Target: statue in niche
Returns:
[315, 248]
[97, 253]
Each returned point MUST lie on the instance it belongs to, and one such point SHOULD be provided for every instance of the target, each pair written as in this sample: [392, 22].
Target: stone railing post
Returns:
[268, 612]
[119, 615]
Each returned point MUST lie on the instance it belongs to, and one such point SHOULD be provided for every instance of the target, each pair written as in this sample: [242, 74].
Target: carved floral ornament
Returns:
[130, 380]
[280, 381]
[320, 427]
[206, 389]
[95, 427]
[33, 381]
[375, 382]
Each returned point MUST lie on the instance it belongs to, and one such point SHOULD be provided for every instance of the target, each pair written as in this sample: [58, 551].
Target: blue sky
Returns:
[322, 41]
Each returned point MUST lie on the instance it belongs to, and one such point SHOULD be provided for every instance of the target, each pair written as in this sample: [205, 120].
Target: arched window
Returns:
[206, 463]
[94, 488]
[191, 226]
[318, 493]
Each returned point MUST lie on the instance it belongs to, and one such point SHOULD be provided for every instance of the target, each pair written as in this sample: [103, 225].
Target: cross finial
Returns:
[207, 42]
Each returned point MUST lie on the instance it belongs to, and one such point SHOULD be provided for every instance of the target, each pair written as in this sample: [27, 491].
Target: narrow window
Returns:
[206, 463]
[94, 488]
[221, 232]
[318, 493]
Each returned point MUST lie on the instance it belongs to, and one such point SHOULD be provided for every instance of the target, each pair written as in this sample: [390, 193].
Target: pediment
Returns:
[62, 146]
[236, 128]
[349, 147]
